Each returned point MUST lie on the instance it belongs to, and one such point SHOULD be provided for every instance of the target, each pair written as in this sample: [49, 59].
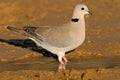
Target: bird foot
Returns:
[61, 66]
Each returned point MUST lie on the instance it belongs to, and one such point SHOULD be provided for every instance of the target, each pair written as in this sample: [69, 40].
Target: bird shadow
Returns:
[29, 44]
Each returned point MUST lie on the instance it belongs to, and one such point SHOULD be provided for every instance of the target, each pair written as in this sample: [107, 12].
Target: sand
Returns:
[96, 59]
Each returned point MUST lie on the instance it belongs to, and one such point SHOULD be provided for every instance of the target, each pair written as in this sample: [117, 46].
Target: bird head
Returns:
[79, 11]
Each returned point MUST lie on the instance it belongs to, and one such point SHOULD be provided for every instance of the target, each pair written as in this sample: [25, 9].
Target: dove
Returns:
[58, 39]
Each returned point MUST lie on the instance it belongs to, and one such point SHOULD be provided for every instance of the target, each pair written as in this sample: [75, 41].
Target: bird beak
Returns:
[90, 12]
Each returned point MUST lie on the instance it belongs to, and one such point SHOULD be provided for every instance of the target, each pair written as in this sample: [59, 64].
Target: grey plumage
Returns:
[59, 39]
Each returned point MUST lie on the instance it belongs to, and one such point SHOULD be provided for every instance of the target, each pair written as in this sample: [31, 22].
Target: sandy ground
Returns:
[97, 59]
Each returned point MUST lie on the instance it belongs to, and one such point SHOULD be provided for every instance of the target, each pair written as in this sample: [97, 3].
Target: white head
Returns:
[80, 10]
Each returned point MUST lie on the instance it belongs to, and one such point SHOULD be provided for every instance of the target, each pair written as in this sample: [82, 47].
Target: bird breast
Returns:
[78, 36]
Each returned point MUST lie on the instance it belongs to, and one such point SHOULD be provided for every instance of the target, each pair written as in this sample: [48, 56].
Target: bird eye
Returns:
[82, 8]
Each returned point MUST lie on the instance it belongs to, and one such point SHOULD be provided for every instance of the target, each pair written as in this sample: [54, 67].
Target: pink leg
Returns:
[65, 59]
[62, 63]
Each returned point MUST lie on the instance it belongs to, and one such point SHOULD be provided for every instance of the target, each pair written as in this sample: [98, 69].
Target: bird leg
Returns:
[63, 61]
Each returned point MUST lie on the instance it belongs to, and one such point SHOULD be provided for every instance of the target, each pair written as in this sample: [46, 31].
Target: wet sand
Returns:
[51, 64]
[97, 59]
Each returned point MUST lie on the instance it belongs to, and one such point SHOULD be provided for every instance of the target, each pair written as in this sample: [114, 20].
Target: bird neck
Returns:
[78, 21]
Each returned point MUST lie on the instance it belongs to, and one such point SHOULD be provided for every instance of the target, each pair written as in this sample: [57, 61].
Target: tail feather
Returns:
[17, 30]
[13, 28]
[26, 31]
